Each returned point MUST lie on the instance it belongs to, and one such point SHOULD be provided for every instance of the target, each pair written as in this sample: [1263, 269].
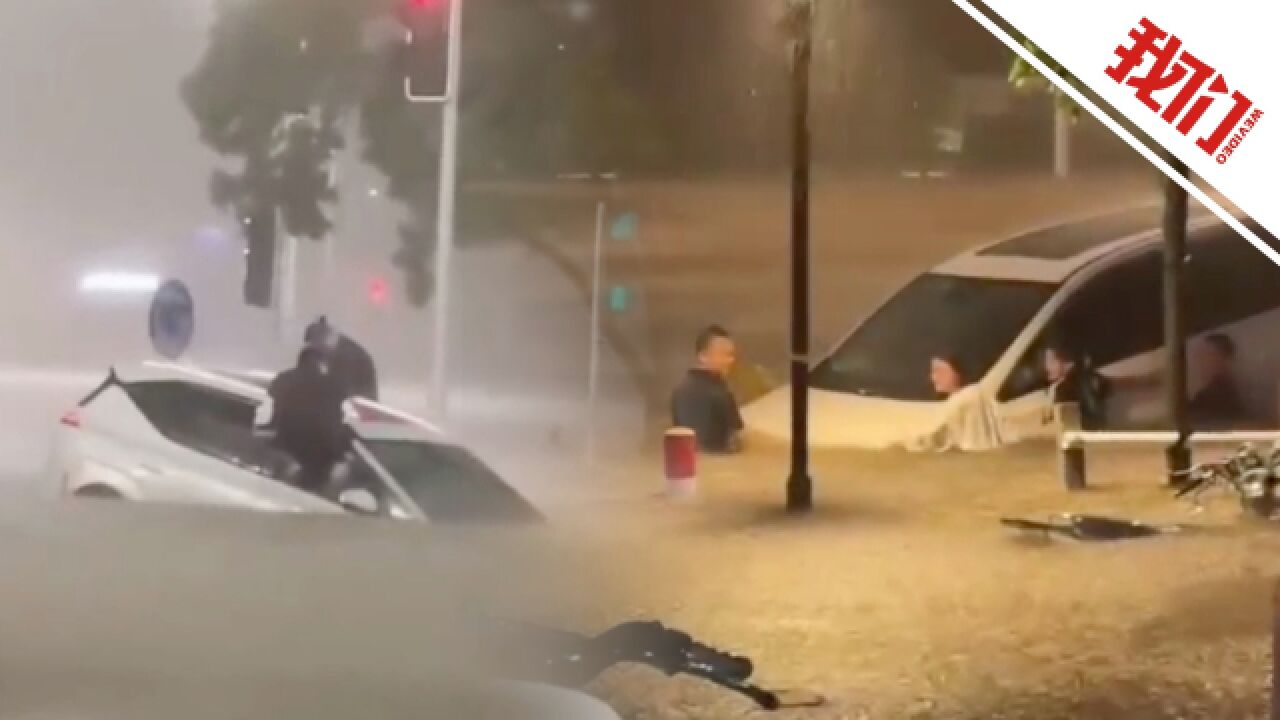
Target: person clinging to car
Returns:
[348, 362]
[308, 421]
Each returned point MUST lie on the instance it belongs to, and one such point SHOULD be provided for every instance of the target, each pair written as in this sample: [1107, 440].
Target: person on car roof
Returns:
[307, 416]
[351, 365]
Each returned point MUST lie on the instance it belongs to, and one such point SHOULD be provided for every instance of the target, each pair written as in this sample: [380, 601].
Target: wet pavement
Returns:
[126, 611]
[902, 596]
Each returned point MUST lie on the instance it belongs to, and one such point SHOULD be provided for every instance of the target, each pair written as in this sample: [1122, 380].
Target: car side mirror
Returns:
[358, 501]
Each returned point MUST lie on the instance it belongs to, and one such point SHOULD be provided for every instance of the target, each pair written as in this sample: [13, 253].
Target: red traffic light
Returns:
[419, 14]
[379, 292]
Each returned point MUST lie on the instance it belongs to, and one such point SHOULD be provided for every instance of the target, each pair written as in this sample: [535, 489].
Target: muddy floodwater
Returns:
[119, 612]
[903, 597]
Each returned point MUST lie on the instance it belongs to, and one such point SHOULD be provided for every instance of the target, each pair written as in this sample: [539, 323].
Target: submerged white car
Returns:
[176, 434]
[1096, 282]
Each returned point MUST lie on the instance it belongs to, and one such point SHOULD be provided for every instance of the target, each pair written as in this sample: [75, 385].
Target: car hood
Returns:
[846, 420]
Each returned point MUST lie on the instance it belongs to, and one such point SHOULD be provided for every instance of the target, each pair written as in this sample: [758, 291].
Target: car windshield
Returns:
[972, 319]
[451, 485]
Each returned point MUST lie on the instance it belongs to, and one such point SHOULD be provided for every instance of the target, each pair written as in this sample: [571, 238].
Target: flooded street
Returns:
[527, 253]
[903, 597]
[900, 597]
[127, 611]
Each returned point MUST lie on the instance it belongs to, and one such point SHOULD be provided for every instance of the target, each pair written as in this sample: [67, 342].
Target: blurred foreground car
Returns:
[176, 434]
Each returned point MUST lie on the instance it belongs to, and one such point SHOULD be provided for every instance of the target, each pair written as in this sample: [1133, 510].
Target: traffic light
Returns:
[305, 180]
[260, 257]
[379, 292]
[425, 55]
[411, 259]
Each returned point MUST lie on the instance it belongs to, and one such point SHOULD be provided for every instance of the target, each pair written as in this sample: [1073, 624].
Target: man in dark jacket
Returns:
[349, 363]
[1072, 380]
[702, 402]
[1217, 404]
[308, 421]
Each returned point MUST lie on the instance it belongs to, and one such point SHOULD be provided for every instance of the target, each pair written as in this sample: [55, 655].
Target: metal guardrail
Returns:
[1072, 442]
[1075, 438]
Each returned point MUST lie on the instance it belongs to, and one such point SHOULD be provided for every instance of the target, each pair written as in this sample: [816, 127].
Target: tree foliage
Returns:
[1024, 76]
[527, 107]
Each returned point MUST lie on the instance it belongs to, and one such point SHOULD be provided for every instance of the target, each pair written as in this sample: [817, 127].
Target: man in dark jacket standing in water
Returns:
[349, 363]
[702, 402]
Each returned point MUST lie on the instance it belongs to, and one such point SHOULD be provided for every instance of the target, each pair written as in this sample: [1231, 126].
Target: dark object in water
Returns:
[1090, 528]
[572, 660]
[1252, 474]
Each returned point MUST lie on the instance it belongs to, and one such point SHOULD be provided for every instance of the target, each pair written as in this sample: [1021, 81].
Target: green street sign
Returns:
[625, 227]
[619, 298]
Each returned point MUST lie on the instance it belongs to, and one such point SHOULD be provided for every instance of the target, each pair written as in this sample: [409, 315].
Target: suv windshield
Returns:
[451, 485]
[973, 319]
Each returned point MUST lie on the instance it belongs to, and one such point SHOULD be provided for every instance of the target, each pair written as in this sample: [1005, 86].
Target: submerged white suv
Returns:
[1096, 282]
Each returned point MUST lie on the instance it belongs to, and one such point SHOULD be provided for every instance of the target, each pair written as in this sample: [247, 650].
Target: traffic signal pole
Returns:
[445, 210]
[437, 388]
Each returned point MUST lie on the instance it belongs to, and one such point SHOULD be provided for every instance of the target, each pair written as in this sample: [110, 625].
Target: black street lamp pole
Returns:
[799, 484]
[1178, 455]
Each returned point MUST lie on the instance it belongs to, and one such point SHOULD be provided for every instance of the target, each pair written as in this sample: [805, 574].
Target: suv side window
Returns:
[1228, 281]
[1114, 316]
[1118, 314]
[207, 421]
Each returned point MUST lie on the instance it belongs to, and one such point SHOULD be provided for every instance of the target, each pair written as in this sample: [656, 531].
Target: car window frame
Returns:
[406, 500]
[1206, 236]
[1209, 252]
[1069, 293]
[210, 392]
[1052, 290]
[423, 510]
[379, 472]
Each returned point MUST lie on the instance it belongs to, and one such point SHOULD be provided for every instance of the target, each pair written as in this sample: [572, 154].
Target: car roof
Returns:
[377, 421]
[1054, 252]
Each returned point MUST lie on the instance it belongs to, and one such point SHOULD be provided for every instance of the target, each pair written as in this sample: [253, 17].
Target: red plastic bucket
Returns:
[680, 457]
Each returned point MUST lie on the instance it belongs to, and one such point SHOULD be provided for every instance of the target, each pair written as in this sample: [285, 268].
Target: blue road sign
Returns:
[172, 320]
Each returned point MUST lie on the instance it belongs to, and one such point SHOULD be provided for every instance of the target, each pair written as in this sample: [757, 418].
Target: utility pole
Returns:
[286, 261]
[799, 484]
[446, 206]
[1061, 141]
[1175, 323]
[606, 182]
